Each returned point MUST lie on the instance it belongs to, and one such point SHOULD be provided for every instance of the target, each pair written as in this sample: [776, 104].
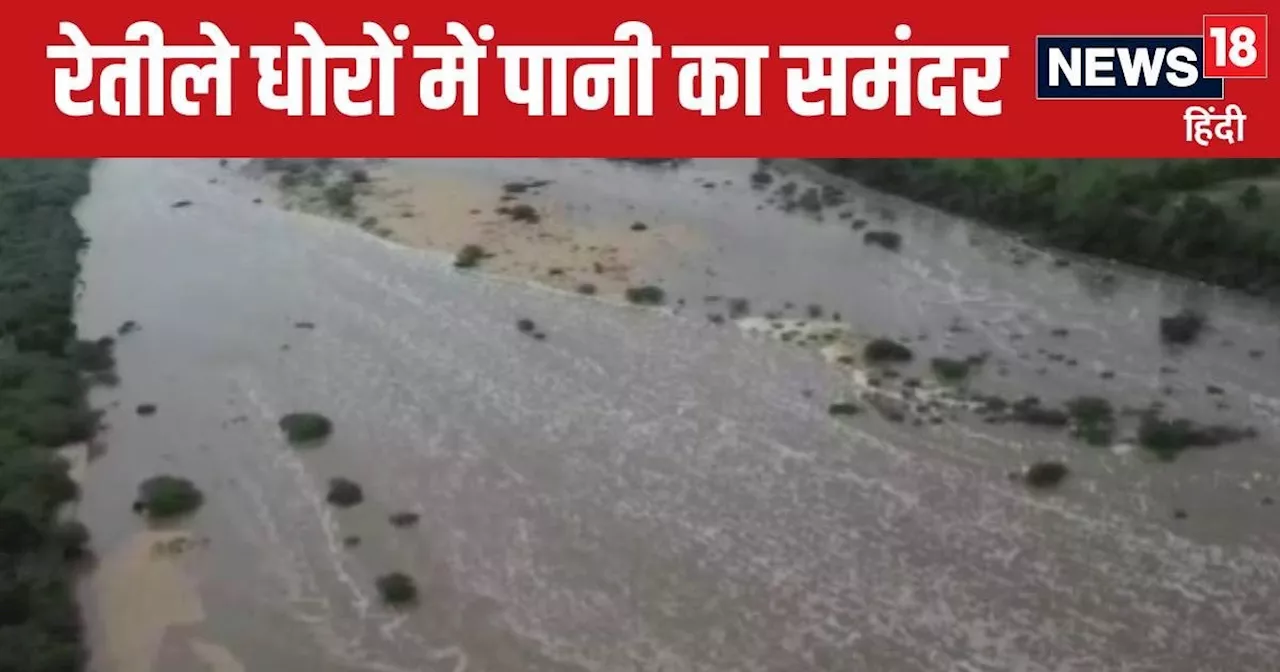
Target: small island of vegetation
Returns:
[163, 497]
[305, 427]
[397, 589]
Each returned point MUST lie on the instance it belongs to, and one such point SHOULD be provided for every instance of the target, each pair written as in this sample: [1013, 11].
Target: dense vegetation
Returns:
[43, 381]
[1213, 220]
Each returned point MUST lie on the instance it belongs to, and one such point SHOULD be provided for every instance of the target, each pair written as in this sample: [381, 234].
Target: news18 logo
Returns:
[1159, 67]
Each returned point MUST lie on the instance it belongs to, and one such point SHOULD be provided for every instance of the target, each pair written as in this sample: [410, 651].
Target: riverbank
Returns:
[518, 230]
[1210, 220]
[45, 373]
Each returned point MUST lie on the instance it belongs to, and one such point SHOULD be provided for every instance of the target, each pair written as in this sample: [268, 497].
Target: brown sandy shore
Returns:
[142, 593]
[525, 232]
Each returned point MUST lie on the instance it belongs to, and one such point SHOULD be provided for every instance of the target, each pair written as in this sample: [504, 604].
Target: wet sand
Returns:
[554, 242]
[647, 490]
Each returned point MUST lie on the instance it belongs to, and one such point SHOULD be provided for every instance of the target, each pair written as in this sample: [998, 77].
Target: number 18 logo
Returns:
[1235, 46]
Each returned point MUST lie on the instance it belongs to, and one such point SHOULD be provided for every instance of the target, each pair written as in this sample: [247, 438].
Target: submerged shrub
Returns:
[843, 408]
[469, 256]
[168, 496]
[1167, 438]
[1045, 474]
[403, 519]
[646, 295]
[1182, 328]
[950, 370]
[882, 350]
[397, 588]
[889, 240]
[1094, 418]
[344, 492]
[305, 427]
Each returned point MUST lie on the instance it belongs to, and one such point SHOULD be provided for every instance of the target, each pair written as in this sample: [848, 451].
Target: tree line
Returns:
[45, 370]
[1198, 218]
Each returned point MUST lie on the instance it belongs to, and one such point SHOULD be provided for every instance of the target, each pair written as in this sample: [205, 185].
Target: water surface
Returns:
[642, 490]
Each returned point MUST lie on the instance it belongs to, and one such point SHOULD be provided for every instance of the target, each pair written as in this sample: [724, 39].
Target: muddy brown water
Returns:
[646, 490]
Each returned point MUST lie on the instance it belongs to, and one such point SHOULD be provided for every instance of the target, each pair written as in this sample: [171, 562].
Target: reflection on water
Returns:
[644, 491]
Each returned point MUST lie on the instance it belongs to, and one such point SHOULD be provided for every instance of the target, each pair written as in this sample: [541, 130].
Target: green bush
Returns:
[168, 496]
[1168, 438]
[887, 351]
[305, 427]
[73, 538]
[1029, 411]
[341, 196]
[1182, 328]
[1095, 419]
[889, 240]
[950, 370]
[397, 588]
[344, 492]
[403, 519]
[1045, 474]
[469, 256]
[647, 295]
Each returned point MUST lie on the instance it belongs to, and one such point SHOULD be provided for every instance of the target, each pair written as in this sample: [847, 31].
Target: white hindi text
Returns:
[145, 76]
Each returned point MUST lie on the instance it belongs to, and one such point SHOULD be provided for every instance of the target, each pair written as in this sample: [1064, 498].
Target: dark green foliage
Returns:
[1094, 418]
[1045, 474]
[341, 196]
[403, 519]
[72, 537]
[1182, 328]
[305, 427]
[1251, 198]
[469, 256]
[950, 370]
[889, 240]
[1162, 214]
[44, 375]
[1168, 438]
[884, 350]
[397, 588]
[168, 496]
[648, 295]
[344, 492]
[521, 212]
[1029, 411]
[761, 179]
[843, 408]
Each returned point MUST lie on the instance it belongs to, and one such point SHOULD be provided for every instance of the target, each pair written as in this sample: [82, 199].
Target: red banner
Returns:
[658, 79]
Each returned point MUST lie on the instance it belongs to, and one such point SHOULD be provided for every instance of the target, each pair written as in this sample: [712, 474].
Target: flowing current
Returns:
[646, 490]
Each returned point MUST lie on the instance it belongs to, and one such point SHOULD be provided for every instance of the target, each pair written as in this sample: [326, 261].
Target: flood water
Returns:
[645, 490]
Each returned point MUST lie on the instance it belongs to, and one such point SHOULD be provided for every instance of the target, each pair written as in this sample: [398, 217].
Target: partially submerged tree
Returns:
[167, 496]
[305, 427]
